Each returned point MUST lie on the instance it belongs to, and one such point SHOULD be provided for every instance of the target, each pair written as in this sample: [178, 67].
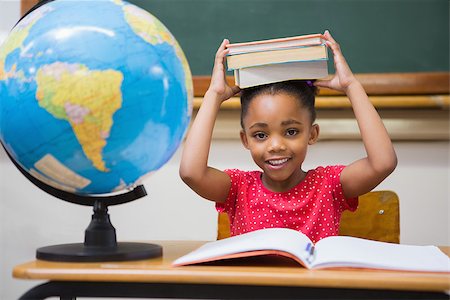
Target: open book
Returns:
[335, 251]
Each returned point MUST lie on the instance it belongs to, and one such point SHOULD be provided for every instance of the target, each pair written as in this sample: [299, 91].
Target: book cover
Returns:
[304, 53]
[330, 252]
[265, 74]
[287, 42]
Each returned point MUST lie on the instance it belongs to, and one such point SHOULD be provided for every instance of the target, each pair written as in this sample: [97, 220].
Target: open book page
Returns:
[342, 251]
[277, 239]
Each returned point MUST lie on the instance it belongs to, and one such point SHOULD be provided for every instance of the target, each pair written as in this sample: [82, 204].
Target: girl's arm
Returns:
[206, 181]
[362, 175]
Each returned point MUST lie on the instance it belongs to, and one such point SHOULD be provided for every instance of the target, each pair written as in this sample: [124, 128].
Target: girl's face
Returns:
[277, 131]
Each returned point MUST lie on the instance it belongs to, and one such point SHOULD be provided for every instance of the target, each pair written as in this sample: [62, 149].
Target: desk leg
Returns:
[49, 289]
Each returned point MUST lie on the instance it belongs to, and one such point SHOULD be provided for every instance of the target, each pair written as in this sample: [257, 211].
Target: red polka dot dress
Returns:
[313, 207]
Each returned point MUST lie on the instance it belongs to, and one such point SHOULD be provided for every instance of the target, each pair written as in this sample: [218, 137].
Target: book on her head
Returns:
[261, 62]
[330, 252]
[276, 56]
[259, 75]
[278, 43]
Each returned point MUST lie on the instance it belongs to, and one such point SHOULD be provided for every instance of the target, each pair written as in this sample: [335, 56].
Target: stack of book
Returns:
[260, 62]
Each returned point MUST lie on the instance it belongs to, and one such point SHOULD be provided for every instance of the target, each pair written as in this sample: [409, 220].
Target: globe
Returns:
[94, 95]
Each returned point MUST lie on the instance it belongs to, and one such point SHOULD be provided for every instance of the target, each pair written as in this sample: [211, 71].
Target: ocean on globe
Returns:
[94, 95]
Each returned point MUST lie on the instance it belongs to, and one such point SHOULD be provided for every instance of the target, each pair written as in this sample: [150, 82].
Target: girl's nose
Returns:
[276, 144]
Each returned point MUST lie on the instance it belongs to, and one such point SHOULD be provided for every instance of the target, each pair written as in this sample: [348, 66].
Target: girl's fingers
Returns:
[327, 34]
[235, 89]
[334, 47]
[337, 54]
[222, 47]
[322, 83]
[221, 53]
[219, 57]
[331, 43]
[224, 54]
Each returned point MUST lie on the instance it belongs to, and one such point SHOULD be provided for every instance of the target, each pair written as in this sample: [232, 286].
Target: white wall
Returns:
[9, 14]
[30, 219]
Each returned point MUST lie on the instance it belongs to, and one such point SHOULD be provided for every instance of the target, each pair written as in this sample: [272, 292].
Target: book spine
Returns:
[245, 60]
[268, 47]
[236, 77]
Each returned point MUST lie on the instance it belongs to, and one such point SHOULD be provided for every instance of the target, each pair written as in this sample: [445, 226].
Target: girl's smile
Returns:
[277, 162]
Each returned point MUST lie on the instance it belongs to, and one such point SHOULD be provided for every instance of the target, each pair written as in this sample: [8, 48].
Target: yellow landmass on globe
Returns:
[12, 43]
[153, 31]
[87, 99]
[15, 41]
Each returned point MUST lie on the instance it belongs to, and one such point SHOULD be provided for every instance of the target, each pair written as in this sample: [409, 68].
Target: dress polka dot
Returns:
[313, 207]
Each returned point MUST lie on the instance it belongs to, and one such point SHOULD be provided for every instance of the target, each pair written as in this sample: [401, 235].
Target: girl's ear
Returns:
[244, 139]
[314, 134]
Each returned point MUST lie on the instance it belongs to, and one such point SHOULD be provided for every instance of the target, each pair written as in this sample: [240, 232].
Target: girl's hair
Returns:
[303, 90]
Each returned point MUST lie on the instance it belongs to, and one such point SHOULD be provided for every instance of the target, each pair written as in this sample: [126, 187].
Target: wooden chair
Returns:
[377, 218]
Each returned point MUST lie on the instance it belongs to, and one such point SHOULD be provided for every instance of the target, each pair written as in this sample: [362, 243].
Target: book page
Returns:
[279, 72]
[343, 251]
[276, 56]
[262, 45]
[278, 239]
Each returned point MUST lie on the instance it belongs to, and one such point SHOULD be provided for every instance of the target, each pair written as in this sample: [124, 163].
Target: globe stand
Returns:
[100, 243]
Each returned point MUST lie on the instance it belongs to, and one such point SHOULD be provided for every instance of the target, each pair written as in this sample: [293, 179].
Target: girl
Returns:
[277, 128]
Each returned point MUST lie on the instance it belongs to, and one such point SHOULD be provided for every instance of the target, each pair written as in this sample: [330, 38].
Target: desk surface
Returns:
[257, 272]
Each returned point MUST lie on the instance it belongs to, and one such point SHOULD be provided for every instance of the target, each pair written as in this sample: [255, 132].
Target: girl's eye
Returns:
[291, 132]
[260, 135]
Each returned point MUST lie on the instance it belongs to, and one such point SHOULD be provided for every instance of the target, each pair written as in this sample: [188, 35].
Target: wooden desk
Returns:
[254, 279]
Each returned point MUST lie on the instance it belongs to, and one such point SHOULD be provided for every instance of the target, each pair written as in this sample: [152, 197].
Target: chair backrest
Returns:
[377, 218]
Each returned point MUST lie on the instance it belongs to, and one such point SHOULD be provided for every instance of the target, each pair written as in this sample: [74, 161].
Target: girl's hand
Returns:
[343, 77]
[218, 84]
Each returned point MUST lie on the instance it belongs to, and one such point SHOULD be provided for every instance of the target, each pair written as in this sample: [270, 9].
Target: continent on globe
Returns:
[54, 169]
[87, 99]
[18, 35]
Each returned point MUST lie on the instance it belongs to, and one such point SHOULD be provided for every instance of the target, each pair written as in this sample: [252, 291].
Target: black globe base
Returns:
[100, 244]
[79, 252]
